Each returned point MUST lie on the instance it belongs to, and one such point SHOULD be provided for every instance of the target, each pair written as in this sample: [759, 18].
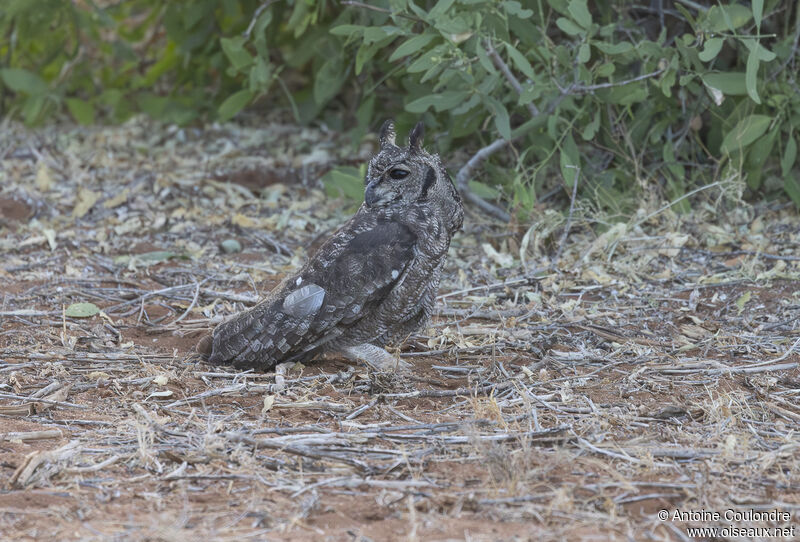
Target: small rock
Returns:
[230, 246]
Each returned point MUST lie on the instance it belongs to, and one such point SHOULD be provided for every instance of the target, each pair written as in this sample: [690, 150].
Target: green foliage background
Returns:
[631, 99]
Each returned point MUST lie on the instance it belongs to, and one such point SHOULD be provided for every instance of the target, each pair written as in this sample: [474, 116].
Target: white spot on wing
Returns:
[304, 301]
[299, 281]
[395, 273]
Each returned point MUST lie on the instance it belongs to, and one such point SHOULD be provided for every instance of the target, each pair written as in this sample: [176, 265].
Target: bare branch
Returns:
[378, 9]
[462, 179]
[464, 174]
[259, 10]
[599, 86]
[503, 67]
[569, 217]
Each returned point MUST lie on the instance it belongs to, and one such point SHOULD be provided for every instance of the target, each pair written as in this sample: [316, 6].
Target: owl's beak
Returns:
[371, 196]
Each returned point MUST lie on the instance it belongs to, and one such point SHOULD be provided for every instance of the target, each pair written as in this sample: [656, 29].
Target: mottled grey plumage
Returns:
[373, 281]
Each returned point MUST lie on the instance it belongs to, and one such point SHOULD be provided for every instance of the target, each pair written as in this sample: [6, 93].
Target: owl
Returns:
[372, 282]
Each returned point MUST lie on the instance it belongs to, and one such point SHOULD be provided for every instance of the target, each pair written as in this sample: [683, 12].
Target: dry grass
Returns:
[657, 370]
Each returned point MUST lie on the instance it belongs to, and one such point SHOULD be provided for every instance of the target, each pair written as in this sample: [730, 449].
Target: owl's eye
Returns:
[398, 174]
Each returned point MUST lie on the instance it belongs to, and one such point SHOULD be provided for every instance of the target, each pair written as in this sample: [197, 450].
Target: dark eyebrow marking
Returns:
[430, 178]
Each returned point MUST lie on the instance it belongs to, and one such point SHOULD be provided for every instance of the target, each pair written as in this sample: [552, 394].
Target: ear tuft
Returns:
[415, 137]
[387, 134]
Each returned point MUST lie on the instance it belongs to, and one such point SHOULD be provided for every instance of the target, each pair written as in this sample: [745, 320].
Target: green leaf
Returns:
[745, 132]
[624, 95]
[33, 109]
[751, 76]
[591, 129]
[514, 8]
[604, 70]
[520, 61]
[668, 81]
[233, 104]
[344, 181]
[260, 75]
[439, 9]
[584, 53]
[758, 12]
[260, 33]
[328, 80]
[711, 49]
[792, 187]
[613, 48]
[378, 33]
[365, 54]
[742, 300]
[757, 156]
[474, 100]
[81, 110]
[152, 104]
[20, 80]
[789, 155]
[764, 54]
[432, 72]
[81, 310]
[730, 83]
[483, 190]
[441, 102]
[579, 12]
[529, 93]
[167, 63]
[569, 27]
[501, 119]
[483, 58]
[411, 46]
[569, 159]
[721, 18]
[234, 49]
[347, 30]
[148, 258]
[673, 165]
[427, 60]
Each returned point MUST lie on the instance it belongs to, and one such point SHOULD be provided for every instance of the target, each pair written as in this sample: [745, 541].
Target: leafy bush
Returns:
[629, 101]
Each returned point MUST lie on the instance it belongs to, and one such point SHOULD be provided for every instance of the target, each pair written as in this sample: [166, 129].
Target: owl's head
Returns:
[400, 176]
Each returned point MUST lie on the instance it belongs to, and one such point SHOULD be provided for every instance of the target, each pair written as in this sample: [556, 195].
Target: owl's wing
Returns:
[349, 276]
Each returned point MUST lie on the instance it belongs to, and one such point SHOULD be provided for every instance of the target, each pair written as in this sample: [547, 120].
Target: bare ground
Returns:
[658, 369]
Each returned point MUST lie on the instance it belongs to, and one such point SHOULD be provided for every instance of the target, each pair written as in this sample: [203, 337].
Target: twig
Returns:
[463, 176]
[616, 455]
[379, 10]
[41, 400]
[206, 394]
[673, 202]
[600, 86]
[776, 360]
[755, 253]
[31, 435]
[256, 15]
[28, 312]
[513, 81]
[753, 369]
[486, 288]
[693, 5]
[94, 468]
[191, 305]
[569, 216]
[363, 408]
[295, 450]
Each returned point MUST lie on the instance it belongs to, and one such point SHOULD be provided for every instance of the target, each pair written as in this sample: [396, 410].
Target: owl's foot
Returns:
[376, 357]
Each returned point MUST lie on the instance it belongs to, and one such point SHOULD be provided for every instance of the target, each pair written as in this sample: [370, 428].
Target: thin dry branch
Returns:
[464, 174]
[510, 77]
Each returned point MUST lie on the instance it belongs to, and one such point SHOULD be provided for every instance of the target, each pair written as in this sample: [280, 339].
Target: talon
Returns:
[376, 357]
